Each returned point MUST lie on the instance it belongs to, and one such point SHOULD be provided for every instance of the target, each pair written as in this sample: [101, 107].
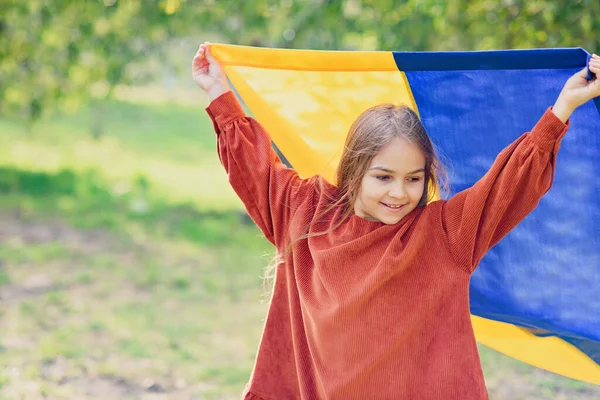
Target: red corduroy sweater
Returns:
[374, 311]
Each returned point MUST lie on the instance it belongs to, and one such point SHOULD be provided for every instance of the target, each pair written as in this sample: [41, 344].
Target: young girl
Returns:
[371, 299]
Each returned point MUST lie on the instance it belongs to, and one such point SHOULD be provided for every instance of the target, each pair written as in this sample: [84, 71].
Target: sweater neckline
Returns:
[356, 220]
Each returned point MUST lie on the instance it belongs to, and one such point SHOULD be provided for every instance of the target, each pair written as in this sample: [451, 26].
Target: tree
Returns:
[61, 54]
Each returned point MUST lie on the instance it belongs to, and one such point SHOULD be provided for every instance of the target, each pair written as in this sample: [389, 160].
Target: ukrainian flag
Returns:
[536, 295]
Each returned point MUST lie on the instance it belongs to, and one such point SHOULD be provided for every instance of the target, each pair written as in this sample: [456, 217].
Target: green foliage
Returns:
[61, 54]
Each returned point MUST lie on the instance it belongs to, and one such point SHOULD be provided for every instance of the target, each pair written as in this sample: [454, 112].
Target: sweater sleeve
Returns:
[269, 189]
[477, 218]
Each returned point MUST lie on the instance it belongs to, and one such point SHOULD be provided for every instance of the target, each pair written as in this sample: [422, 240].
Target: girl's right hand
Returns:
[208, 74]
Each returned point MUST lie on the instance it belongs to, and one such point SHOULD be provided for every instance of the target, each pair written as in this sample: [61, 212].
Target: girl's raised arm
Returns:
[269, 190]
[477, 218]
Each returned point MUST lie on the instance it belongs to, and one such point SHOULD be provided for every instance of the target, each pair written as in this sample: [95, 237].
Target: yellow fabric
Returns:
[308, 110]
[303, 60]
[307, 101]
[550, 353]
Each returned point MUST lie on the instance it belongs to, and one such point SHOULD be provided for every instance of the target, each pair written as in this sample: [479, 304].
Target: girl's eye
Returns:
[414, 179]
[383, 177]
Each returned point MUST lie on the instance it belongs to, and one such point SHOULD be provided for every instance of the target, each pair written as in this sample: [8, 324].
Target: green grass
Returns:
[140, 311]
[172, 146]
[34, 253]
[88, 201]
[127, 265]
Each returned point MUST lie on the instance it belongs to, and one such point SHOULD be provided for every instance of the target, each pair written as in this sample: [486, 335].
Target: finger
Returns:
[199, 62]
[202, 50]
[583, 73]
[203, 46]
[209, 56]
[201, 53]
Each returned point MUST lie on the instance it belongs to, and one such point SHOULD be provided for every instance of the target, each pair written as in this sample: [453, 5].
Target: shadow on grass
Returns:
[89, 201]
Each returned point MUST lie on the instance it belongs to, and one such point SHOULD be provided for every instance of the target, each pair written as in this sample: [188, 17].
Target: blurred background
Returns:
[128, 268]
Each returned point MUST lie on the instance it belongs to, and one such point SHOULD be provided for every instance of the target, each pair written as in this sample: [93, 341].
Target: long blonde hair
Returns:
[374, 129]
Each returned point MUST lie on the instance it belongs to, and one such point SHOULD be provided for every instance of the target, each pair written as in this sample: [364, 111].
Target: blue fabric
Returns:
[495, 60]
[487, 60]
[544, 273]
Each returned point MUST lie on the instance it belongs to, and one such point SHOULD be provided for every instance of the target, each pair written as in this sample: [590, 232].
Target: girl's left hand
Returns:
[578, 90]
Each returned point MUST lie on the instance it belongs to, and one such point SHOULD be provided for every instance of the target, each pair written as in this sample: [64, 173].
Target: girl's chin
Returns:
[391, 221]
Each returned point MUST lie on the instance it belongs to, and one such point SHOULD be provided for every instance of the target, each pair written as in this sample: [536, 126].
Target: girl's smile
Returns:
[393, 207]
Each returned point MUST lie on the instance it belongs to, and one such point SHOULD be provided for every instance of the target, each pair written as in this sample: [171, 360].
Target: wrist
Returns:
[217, 90]
[563, 109]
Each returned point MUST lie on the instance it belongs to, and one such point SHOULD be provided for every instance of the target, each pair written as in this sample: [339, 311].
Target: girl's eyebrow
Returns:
[392, 172]
[381, 169]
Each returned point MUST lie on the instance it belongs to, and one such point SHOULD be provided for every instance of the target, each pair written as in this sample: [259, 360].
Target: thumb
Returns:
[208, 54]
[584, 73]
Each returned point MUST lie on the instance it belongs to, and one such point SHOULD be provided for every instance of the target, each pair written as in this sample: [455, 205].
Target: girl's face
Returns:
[393, 184]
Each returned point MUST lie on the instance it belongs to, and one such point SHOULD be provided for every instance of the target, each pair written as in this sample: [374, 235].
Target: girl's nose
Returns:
[397, 192]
